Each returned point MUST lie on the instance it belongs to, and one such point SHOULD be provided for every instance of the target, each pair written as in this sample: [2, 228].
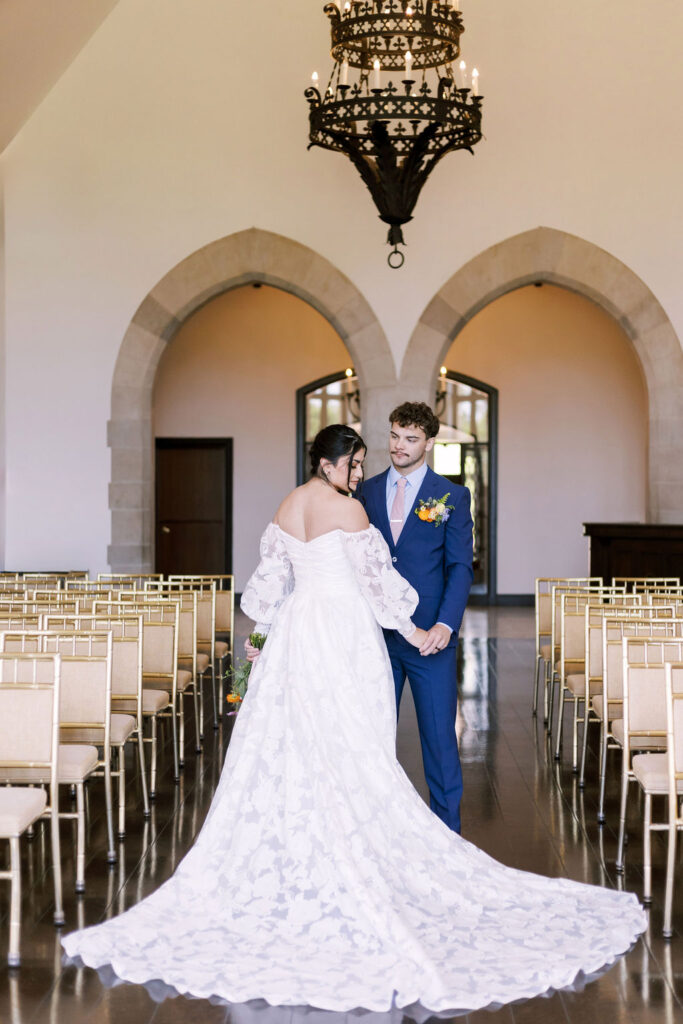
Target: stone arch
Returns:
[545, 254]
[238, 259]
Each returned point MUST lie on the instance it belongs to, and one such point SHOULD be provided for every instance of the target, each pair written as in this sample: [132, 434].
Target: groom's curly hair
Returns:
[416, 414]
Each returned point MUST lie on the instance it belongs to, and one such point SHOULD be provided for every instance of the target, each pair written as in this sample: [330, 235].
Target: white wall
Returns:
[572, 426]
[233, 370]
[2, 371]
[183, 122]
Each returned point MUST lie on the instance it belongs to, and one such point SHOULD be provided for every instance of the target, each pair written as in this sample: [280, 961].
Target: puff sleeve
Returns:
[390, 596]
[270, 583]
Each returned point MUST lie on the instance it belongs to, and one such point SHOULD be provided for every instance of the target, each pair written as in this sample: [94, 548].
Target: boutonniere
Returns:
[434, 510]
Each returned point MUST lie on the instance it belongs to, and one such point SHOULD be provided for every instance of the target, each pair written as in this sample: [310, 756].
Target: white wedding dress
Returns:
[320, 877]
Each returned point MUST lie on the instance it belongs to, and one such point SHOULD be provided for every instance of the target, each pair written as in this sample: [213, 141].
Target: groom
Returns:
[436, 559]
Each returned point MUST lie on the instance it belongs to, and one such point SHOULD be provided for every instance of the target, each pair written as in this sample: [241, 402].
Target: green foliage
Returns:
[239, 675]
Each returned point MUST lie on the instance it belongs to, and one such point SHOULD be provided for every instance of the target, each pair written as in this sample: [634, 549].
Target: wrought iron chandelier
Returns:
[395, 127]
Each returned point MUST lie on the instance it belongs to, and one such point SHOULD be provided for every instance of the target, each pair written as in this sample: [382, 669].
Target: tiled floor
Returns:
[519, 806]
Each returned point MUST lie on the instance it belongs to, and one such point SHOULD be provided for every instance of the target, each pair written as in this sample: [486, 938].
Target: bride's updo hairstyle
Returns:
[332, 443]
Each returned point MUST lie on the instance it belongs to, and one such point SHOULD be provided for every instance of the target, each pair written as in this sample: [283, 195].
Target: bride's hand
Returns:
[417, 638]
[252, 652]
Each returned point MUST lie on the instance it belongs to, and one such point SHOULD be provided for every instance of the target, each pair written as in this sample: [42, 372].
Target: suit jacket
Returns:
[436, 560]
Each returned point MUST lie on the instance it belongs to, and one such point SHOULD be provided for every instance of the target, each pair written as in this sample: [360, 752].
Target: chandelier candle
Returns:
[394, 125]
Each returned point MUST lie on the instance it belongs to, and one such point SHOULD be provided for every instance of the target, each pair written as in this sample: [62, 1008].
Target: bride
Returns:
[320, 877]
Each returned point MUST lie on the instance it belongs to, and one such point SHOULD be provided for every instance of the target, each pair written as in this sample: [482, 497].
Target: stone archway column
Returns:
[545, 254]
[239, 259]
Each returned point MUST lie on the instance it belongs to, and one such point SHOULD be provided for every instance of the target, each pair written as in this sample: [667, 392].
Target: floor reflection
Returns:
[520, 806]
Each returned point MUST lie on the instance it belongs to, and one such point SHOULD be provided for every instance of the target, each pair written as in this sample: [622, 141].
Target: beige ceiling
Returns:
[38, 41]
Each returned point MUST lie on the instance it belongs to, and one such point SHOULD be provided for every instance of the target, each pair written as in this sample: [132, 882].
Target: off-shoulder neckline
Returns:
[347, 533]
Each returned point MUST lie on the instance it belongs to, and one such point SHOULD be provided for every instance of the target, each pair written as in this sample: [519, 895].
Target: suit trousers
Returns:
[435, 694]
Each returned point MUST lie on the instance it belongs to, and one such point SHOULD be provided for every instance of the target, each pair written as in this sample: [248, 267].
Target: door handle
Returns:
[165, 529]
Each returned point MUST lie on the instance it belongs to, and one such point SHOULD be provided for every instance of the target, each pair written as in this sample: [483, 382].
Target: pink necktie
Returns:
[397, 509]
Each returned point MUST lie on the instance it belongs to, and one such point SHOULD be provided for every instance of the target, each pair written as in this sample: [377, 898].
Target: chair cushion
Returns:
[652, 773]
[154, 701]
[184, 679]
[576, 684]
[220, 648]
[19, 808]
[642, 742]
[202, 663]
[545, 652]
[598, 705]
[76, 762]
[163, 682]
[121, 728]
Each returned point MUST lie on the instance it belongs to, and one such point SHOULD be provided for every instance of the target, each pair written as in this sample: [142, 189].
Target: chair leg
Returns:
[56, 857]
[669, 891]
[622, 811]
[122, 791]
[80, 837]
[560, 720]
[108, 801]
[153, 767]
[584, 745]
[198, 701]
[647, 849]
[537, 673]
[551, 698]
[143, 772]
[213, 693]
[546, 691]
[603, 769]
[575, 736]
[181, 715]
[13, 955]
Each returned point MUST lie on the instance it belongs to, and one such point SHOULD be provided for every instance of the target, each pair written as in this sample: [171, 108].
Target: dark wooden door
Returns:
[193, 505]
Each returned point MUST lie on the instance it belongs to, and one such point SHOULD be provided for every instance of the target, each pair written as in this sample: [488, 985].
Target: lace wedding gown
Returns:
[320, 877]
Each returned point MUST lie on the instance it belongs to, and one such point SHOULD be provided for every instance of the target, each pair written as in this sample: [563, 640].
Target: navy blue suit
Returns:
[437, 562]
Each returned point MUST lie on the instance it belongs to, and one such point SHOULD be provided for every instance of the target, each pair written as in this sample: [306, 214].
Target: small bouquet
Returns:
[239, 676]
[434, 510]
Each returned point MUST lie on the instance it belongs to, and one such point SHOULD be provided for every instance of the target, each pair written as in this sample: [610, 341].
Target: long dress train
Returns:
[320, 877]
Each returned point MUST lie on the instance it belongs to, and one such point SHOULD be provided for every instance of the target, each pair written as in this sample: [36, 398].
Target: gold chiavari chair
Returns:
[41, 581]
[590, 682]
[29, 742]
[608, 704]
[75, 763]
[543, 619]
[660, 775]
[128, 580]
[645, 583]
[84, 714]
[159, 670]
[643, 727]
[127, 691]
[598, 593]
[574, 652]
[189, 658]
[205, 588]
[674, 728]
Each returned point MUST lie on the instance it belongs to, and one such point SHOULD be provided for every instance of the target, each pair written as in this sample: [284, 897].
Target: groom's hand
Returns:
[436, 639]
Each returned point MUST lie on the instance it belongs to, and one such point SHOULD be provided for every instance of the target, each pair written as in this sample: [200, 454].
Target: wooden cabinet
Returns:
[635, 549]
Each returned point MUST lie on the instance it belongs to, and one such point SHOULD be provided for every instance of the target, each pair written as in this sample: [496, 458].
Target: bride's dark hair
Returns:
[332, 443]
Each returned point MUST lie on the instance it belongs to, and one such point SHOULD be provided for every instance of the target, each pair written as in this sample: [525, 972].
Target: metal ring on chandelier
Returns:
[396, 252]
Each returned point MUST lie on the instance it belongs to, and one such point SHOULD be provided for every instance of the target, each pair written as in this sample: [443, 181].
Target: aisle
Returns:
[513, 808]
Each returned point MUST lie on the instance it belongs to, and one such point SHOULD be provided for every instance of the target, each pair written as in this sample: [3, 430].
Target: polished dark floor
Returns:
[519, 806]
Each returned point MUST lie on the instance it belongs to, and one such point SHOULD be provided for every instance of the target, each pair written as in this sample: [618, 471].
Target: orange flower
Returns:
[423, 514]
[234, 698]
